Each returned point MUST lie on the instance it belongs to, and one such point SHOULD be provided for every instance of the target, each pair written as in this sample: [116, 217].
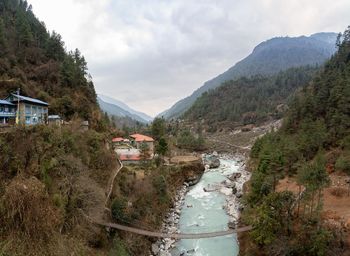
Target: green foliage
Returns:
[187, 140]
[119, 210]
[273, 217]
[160, 185]
[118, 248]
[49, 151]
[313, 175]
[162, 147]
[314, 241]
[158, 128]
[343, 162]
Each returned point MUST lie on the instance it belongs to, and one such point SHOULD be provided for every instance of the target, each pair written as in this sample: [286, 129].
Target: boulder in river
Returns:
[212, 161]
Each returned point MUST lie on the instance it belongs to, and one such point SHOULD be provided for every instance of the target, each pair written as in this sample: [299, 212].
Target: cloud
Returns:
[151, 53]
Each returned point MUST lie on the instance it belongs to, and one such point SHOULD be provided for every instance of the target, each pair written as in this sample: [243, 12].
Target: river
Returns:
[204, 212]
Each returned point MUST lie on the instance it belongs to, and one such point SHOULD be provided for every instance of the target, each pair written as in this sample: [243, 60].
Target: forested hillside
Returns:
[269, 57]
[249, 100]
[49, 175]
[36, 61]
[312, 146]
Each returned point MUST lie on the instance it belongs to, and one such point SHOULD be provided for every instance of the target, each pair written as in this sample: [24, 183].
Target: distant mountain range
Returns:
[117, 108]
[269, 57]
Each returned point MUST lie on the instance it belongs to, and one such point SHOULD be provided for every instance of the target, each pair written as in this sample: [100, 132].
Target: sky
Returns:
[151, 53]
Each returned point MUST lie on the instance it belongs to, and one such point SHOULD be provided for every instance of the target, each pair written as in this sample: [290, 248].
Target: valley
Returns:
[256, 161]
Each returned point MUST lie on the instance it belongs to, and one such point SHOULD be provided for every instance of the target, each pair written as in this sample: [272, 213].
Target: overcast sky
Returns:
[151, 53]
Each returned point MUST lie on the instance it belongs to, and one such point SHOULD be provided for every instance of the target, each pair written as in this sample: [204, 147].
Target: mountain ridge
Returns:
[282, 53]
[118, 108]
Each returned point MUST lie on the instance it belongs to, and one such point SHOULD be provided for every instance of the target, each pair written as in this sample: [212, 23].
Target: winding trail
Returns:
[111, 182]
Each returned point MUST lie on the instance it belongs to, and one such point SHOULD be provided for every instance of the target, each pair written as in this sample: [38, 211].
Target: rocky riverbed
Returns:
[230, 186]
[170, 224]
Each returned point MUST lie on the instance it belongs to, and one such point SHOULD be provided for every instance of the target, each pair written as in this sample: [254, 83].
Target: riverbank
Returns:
[232, 188]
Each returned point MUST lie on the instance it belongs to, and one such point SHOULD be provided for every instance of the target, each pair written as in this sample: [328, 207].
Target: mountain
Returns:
[117, 108]
[267, 58]
[250, 100]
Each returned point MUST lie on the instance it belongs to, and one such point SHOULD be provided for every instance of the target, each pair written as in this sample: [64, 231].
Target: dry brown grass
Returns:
[27, 210]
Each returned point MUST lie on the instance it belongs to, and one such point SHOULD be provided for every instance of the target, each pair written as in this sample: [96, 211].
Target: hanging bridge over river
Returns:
[174, 235]
[144, 232]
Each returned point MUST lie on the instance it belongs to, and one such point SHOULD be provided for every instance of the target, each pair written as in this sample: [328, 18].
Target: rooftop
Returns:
[140, 138]
[5, 102]
[119, 139]
[28, 99]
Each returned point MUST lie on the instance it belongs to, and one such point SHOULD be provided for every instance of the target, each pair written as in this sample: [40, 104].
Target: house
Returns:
[130, 150]
[138, 140]
[7, 112]
[129, 155]
[118, 141]
[54, 120]
[30, 111]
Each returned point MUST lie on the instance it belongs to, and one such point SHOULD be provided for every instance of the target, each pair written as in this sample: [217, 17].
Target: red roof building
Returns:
[141, 138]
[119, 139]
[129, 157]
[130, 150]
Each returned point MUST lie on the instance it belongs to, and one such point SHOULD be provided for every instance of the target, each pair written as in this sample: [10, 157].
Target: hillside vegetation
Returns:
[36, 61]
[313, 142]
[249, 100]
[50, 175]
[269, 57]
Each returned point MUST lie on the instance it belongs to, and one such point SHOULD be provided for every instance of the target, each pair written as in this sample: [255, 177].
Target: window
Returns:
[28, 120]
[28, 109]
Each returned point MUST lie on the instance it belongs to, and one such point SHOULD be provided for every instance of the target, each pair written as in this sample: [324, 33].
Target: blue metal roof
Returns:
[5, 102]
[30, 99]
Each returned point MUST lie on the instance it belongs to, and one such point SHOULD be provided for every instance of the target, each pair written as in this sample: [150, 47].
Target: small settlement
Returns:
[18, 109]
[134, 149]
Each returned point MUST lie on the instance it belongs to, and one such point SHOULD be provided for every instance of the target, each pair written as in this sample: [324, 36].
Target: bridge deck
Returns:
[175, 236]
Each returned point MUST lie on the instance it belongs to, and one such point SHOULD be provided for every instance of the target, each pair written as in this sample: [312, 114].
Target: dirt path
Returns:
[111, 182]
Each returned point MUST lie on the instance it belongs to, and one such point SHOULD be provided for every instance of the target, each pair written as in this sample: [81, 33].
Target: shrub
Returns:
[118, 248]
[343, 163]
[27, 209]
[119, 210]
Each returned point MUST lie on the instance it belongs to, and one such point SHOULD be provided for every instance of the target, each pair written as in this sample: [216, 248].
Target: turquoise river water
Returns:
[203, 212]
